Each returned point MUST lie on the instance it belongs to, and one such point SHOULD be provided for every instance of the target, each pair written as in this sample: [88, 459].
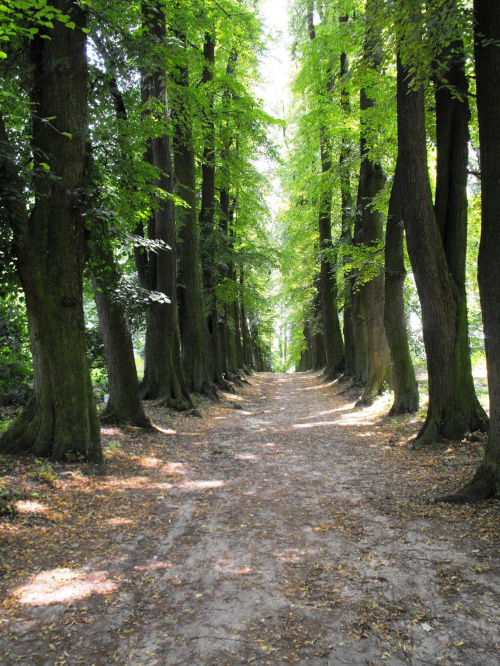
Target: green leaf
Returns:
[45, 166]
[70, 136]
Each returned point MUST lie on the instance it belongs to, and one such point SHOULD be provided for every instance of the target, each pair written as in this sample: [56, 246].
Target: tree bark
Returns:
[163, 374]
[404, 383]
[332, 334]
[486, 481]
[191, 312]
[371, 183]
[451, 413]
[124, 406]
[60, 421]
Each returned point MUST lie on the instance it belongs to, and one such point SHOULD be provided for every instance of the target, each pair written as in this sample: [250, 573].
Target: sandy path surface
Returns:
[286, 531]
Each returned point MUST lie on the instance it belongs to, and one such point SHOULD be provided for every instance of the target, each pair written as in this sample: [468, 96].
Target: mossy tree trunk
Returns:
[452, 410]
[60, 421]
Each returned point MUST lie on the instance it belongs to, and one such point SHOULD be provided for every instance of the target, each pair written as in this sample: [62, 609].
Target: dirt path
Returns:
[292, 530]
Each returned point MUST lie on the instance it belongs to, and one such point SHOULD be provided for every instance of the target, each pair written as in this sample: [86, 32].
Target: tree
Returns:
[60, 421]
[453, 407]
[486, 481]
[371, 227]
[404, 383]
[163, 374]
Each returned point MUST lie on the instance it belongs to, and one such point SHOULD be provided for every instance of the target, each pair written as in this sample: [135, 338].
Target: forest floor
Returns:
[286, 526]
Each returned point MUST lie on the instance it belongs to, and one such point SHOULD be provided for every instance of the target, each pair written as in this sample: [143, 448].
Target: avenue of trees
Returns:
[129, 138]
[386, 155]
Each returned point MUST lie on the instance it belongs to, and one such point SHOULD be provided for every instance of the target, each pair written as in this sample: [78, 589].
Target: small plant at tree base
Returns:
[45, 473]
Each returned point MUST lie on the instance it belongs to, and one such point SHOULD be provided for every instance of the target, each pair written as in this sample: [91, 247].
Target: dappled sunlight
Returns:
[153, 565]
[317, 387]
[165, 431]
[63, 585]
[247, 456]
[345, 408]
[233, 567]
[29, 506]
[118, 522]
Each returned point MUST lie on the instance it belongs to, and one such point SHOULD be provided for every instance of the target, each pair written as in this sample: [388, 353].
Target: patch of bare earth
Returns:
[295, 529]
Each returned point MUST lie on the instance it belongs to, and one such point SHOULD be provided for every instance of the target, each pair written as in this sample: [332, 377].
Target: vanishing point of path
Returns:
[284, 527]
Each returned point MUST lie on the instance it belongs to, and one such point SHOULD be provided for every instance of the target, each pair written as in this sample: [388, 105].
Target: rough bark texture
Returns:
[371, 183]
[208, 231]
[191, 313]
[60, 421]
[163, 374]
[486, 481]
[124, 406]
[404, 383]
[451, 412]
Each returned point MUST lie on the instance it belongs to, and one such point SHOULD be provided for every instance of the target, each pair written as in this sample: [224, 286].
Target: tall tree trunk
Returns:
[371, 183]
[347, 217]
[452, 143]
[406, 398]
[450, 413]
[163, 374]
[208, 232]
[334, 345]
[486, 481]
[60, 421]
[191, 312]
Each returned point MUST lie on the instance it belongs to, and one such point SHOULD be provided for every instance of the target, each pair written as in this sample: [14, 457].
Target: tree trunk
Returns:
[124, 406]
[332, 334]
[208, 242]
[452, 143]
[60, 421]
[371, 183]
[191, 313]
[406, 398]
[486, 481]
[451, 412]
[347, 219]
[163, 374]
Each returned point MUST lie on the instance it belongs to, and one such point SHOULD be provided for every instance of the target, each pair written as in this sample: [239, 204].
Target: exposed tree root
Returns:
[109, 417]
[482, 487]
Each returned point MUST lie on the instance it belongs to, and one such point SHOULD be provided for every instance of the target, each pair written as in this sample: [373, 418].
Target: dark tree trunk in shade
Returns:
[486, 481]
[371, 183]
[404, 383]
[452, 143]
[60, 421]
[163, 374]
[452, 410]
[195, 359]
[208, 232]
[124, 406]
